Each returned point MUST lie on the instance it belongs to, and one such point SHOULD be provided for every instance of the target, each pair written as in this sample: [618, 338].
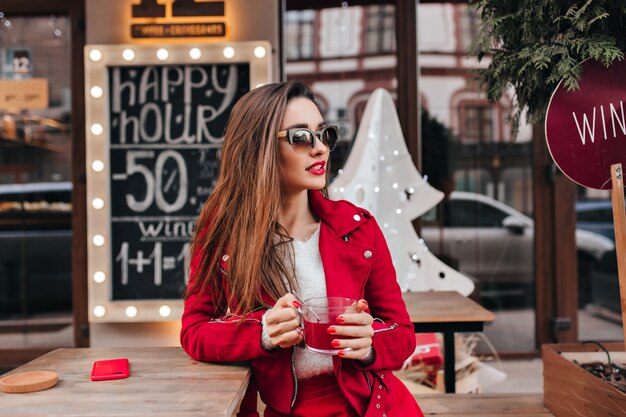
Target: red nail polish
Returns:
[332, 330]
[296, 304]
[335, 343]
[339, 319]
[341, 353]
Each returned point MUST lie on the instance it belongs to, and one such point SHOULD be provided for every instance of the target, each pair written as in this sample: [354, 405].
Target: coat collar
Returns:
[341, 216]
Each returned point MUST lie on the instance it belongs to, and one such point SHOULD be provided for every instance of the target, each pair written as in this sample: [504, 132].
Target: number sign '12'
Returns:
[167, 124]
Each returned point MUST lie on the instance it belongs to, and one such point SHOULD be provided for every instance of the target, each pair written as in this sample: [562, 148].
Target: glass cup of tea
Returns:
[320, 313]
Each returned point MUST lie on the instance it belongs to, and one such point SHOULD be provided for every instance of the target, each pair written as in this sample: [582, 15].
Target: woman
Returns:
[267, 230]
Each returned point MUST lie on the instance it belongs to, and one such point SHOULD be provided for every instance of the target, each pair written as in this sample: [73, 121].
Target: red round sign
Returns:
[586, 128]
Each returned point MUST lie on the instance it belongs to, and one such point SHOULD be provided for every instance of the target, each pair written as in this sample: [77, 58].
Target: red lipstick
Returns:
[317, 168]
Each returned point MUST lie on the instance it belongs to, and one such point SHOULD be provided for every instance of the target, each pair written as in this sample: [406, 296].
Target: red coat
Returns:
[357, 264]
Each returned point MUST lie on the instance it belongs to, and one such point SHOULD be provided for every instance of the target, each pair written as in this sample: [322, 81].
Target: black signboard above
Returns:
[178, 30]
[170, 19]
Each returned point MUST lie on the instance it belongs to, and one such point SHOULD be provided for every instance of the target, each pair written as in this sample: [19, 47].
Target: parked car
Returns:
[493, 242]
[36, 254]
[605, 292]
[596, 216]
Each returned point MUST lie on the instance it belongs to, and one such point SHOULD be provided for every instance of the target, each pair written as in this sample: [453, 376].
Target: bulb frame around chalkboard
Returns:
[98, 60]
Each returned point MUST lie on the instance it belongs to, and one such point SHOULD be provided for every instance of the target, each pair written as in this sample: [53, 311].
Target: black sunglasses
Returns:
[303, 136]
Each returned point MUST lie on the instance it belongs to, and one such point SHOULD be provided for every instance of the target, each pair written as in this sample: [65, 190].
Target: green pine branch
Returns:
[535, 44]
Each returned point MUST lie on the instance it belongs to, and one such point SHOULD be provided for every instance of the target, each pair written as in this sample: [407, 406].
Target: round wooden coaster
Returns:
[29, 381]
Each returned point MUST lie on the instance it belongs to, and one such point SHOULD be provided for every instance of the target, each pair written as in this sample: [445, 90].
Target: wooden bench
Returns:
[483, 405]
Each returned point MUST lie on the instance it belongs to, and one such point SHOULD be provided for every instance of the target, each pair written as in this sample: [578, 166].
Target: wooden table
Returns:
[162, 382]
[446, 312]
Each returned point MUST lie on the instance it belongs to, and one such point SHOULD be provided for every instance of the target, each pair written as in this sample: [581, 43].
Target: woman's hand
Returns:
[358, 328]
[283, 322]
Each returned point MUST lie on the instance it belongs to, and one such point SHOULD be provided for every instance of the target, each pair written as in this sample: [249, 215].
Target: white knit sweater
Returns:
[311, 283]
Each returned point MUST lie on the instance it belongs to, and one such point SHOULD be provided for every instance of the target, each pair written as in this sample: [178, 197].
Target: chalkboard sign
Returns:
[166, 131]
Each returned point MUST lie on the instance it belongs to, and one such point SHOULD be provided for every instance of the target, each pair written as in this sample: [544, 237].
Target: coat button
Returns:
[367, 254]
[380, 387]
[378, 397]
[356, 217]
[377, 405]
[225, 258]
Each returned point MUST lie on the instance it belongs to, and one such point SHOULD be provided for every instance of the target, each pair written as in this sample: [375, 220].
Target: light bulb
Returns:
[97, 203]
[131, 311]
[96, 91]
[99, 277]
[259, 52]
[195, 53]
[97, 165]
[98, 240]
[97, 129]
[165, 311]
[162, 54]
[229, 52]
[128, 54]
[95, 55]
[99, 311]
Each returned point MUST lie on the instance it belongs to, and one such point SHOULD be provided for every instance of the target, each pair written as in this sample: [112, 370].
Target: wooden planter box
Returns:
[569, 390]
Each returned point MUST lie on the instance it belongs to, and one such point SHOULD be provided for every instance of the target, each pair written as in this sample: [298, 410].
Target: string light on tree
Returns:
[379, 175]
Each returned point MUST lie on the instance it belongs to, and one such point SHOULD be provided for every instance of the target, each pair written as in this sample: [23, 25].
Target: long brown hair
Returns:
[240, 217]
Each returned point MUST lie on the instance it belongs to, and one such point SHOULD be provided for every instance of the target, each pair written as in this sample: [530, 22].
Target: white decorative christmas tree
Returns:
[379, 175]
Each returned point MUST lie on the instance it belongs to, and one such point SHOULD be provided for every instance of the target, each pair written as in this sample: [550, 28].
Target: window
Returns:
[467, 213]
[595, 214]
[36, 240]
[476, 122]
[380, 36]
[300, 34]
[469, 27]
[469, 178]
[35, 174]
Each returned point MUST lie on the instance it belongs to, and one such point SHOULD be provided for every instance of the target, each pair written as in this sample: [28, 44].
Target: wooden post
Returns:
[619, 222]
